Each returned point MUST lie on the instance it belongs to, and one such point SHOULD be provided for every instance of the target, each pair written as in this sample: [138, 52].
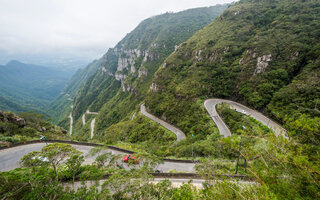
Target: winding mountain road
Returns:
[176, 183]
[71, 123]
[180, 135]
[10, 158]
[87, 113]
[93, 122]
[83, 119]
[210, 105]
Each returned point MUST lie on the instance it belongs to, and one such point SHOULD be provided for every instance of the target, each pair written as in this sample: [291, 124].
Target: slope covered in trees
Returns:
[126, 71]
[25, 87]
[27, 126]
[261, 53]
[61, 106]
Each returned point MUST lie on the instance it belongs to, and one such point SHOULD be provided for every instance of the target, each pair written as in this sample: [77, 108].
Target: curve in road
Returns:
[87, 113]
[93, 122]
[10, 158]
[180, 135]
[210, 105]
[176, 182]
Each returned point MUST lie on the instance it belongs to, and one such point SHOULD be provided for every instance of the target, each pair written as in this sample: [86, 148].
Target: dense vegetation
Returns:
[61, 106]
[261, 53]
[280, 171]
[27, 126]
[26, 87]
[124, 76]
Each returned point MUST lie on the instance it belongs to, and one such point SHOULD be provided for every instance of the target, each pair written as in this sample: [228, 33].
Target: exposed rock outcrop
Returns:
[262, 64]
[176, 47]
[154, 87]
[198, 55]
[295, 55]
[126, 65]
[142, 72]
[103, 70]
[249, 54]
[13, 119]
[120, 77]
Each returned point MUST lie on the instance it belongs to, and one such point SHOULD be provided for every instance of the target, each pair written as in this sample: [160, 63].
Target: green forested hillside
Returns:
[261, 53]
[125, 73]
[25, 87]
[61, 106]
[27, 126]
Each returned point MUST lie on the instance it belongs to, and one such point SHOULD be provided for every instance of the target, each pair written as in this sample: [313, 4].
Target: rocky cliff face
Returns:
[20, 122]
[127, 65]
[127, 69]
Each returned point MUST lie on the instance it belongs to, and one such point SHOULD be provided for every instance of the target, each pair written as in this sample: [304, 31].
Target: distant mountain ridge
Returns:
[125, 72]
[62, 105]
[26, 87]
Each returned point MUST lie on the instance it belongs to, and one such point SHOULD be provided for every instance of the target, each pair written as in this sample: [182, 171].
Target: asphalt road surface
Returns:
[176, 183]
[71, 123]
[10, 158]
[210, 105]
[180, 135]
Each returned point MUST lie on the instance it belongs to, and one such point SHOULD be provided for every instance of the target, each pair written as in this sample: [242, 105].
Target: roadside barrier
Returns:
[90, 144]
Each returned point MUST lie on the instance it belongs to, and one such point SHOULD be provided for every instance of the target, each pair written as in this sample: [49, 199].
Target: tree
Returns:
[74, 164]
[53, 155]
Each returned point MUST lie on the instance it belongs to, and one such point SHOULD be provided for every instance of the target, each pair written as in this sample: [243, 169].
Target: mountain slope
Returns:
[257, 53]
[61, 106]
[29, 87]
[125, 74]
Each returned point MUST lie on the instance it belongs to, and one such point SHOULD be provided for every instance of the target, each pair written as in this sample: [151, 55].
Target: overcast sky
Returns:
[83, 28]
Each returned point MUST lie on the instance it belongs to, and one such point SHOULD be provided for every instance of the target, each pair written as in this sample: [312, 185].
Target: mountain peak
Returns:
[14, 62]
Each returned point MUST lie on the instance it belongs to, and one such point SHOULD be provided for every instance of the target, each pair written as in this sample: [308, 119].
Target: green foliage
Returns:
[282, 169]
[26, 87]
[288, 169]
[35, 126]
[61, 106]
[223, 60]
[297, 104]
[157, 37]
[242, 124]
[73, 164]
[139, 129]
[53, 155]
[141, 132]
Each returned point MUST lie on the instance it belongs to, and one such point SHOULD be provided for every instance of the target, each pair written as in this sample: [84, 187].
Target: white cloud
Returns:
[79, 27]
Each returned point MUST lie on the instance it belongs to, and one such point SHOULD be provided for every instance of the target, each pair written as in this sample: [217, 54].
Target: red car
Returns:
[132, 158]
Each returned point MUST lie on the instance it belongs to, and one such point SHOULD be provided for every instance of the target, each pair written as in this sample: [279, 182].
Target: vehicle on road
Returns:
[41, 158]
[131, 158]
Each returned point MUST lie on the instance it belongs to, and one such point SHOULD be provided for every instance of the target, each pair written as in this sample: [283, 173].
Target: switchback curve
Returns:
[210, 105]
[180, 135]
